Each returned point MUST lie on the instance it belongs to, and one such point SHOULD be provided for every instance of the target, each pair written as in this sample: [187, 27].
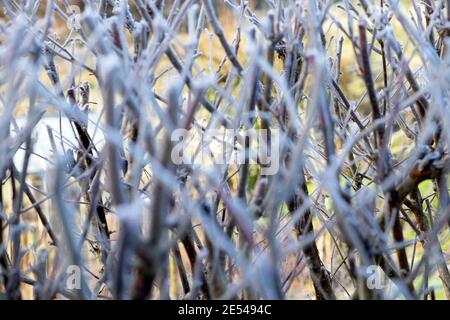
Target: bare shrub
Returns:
[203, 149]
